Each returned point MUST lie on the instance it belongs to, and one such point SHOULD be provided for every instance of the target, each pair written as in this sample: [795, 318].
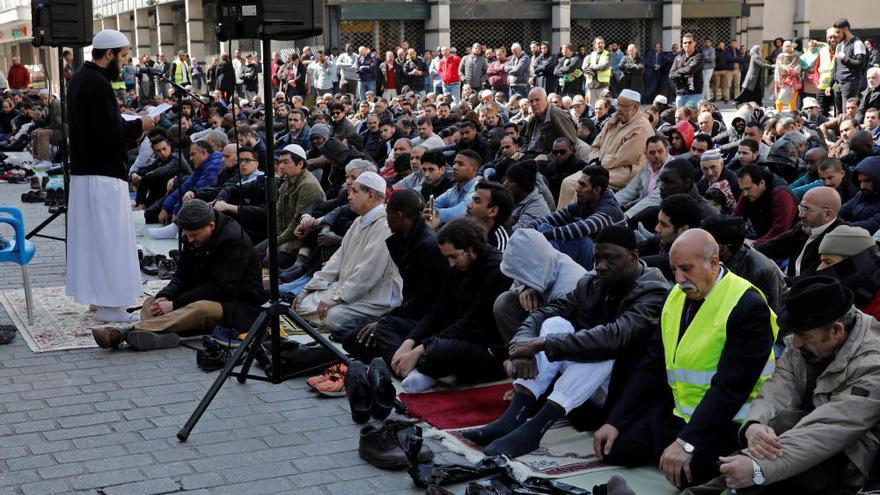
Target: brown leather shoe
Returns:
[107, 338]
[380, 447]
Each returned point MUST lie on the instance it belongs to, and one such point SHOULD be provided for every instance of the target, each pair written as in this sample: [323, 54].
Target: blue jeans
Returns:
[683, 100]
[580, 250]
[295, 287]
[363, 87]
[453, 89]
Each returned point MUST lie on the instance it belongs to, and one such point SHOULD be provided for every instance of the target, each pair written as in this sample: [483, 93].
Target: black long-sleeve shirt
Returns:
[99, 137]
[749, 342]
[463, 307]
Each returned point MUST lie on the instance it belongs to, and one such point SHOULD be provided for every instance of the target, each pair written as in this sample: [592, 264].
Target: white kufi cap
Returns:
[371, 180]
[297, 150]
[109, 38]
[630, 95]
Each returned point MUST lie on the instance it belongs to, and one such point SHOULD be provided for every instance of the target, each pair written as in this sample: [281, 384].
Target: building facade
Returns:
[167, 26]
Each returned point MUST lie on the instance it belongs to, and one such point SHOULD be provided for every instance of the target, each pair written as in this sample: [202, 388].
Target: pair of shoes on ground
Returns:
[7, 334]
[112, 338]
[331, 383]
[150, 263]
[370, 390]
[394, 445]
[33, 196]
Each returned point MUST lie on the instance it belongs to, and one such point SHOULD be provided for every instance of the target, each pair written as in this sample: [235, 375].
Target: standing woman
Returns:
[211, 75]
[787, 77]
[226, 77]
[753, 83]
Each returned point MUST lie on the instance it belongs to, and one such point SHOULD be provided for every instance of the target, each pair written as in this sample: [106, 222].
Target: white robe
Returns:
[102, 263]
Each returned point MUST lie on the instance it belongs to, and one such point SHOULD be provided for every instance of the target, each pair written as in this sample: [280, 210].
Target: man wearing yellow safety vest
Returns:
[597, 68]
[713, 351]
[825, 66]
[180, 72]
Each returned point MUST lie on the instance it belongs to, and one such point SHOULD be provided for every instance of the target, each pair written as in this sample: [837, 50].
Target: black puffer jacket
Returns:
[603, 332]
[225, 269]
[761, 271]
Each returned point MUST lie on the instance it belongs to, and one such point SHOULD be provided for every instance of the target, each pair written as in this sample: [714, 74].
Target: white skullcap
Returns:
[661, 100]
[486, 92]
[630, 95]
[243, 102]
[109, 38]
[297, 151]
[371, 180]
[810, 102]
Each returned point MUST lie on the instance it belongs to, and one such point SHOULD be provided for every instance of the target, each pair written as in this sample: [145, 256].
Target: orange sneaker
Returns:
[333, 386]
[336, 369]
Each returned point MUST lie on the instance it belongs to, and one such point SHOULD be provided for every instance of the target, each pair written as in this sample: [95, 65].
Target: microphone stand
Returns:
[179, 92]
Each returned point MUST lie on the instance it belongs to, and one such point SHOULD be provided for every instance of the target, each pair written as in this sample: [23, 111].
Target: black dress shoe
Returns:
[359, 392]
[7, 334]
[150, 341]
[380, 446]
[383, 389]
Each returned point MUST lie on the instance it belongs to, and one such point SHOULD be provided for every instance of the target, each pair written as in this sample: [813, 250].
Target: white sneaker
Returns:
[417, 382]
[115, 315]
[167, 232]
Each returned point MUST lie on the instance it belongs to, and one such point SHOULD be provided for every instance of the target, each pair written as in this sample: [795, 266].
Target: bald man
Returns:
[800, 245]
[687, 396]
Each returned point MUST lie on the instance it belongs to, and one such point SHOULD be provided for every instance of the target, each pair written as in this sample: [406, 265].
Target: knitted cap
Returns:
[617, 235]
[194, 215]
[320, 130]
[846, 240]
[524, 174]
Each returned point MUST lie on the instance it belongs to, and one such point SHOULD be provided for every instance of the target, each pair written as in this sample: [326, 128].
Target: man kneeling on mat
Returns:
[591, 336]
[217, 282]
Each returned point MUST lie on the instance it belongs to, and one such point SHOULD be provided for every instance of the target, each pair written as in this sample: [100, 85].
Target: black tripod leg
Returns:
[249, 358]
[43, 225]
[258, 328]
[317, 337]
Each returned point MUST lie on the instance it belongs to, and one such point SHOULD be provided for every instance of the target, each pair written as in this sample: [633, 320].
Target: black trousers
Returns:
[826, 103]
[845, 91]
[468, 362]
[151, 189]
[643, 443]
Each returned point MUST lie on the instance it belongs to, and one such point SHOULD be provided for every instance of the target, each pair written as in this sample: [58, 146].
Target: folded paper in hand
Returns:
[154, 112]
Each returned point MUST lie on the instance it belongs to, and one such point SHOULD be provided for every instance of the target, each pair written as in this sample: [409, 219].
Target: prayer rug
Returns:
[564, 451]
[59, 322]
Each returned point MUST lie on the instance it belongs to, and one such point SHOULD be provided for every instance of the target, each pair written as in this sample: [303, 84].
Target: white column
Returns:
[437, 26]
[165, 23]
[755, 33]
[561, 19]
[671, 23]
[195, 30]
[802, 20]
[142, 32]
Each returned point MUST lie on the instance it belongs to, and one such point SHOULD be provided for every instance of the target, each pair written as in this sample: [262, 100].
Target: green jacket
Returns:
[294, 195]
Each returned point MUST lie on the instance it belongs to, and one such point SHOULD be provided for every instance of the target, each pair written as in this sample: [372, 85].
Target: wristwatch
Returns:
[758, 478]
[688, 448]
[336, 298]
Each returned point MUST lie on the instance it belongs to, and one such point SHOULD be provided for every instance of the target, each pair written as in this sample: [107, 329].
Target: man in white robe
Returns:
[102, 264]
[360, 279]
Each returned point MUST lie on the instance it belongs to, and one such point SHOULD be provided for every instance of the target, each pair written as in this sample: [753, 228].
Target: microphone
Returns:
[148, 71]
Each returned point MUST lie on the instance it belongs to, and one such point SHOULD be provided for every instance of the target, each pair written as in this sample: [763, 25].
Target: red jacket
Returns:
[449, 69]
[18, 77]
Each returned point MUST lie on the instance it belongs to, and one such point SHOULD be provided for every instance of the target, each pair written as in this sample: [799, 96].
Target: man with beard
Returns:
[678, 213]
[102, 265]
[297, 131]
[544, 64]
[676, 177]
[473, 67]
[766, 203]
[871, 94]
[470, 140]
[648, 177]
[151, 181]
[592, 336]
[798, 438]
[835, 175]
[863, 210]
[564, 163]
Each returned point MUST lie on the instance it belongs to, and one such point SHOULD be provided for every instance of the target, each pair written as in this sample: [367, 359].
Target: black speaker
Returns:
[62, 22]
[269, 19]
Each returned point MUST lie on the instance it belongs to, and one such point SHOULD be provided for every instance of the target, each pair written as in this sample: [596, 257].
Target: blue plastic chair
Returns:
[20, 251]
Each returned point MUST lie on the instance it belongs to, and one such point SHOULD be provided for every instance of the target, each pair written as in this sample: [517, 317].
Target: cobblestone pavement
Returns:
[99, 422]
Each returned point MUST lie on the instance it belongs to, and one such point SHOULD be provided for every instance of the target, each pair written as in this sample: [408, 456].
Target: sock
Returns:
[108, 314]
[528, 436]
[517, 413]
[416, 382]
[618, 486]
[295, 271]
[167, 232]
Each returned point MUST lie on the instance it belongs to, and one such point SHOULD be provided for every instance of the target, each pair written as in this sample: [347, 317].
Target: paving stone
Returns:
[151, 487]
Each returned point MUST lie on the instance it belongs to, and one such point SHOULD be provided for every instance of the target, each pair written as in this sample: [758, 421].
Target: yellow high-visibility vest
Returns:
[692, 362]
[604, 76]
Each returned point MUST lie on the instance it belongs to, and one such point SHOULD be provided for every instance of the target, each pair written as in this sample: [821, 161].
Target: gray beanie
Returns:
[320, 130]
[846, 241]
[194, 215]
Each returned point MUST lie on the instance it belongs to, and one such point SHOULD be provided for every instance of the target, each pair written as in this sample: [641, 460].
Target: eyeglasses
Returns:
[247, 160]
[806, 209]
[559, 152]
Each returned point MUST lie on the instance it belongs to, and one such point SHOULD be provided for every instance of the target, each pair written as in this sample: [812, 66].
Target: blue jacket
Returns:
[203, 176]
[863, 210]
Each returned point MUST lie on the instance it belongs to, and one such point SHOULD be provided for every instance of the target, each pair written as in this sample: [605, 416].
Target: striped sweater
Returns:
[578, 221]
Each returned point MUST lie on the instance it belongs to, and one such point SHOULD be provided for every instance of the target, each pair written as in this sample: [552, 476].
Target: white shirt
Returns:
[814, 234]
